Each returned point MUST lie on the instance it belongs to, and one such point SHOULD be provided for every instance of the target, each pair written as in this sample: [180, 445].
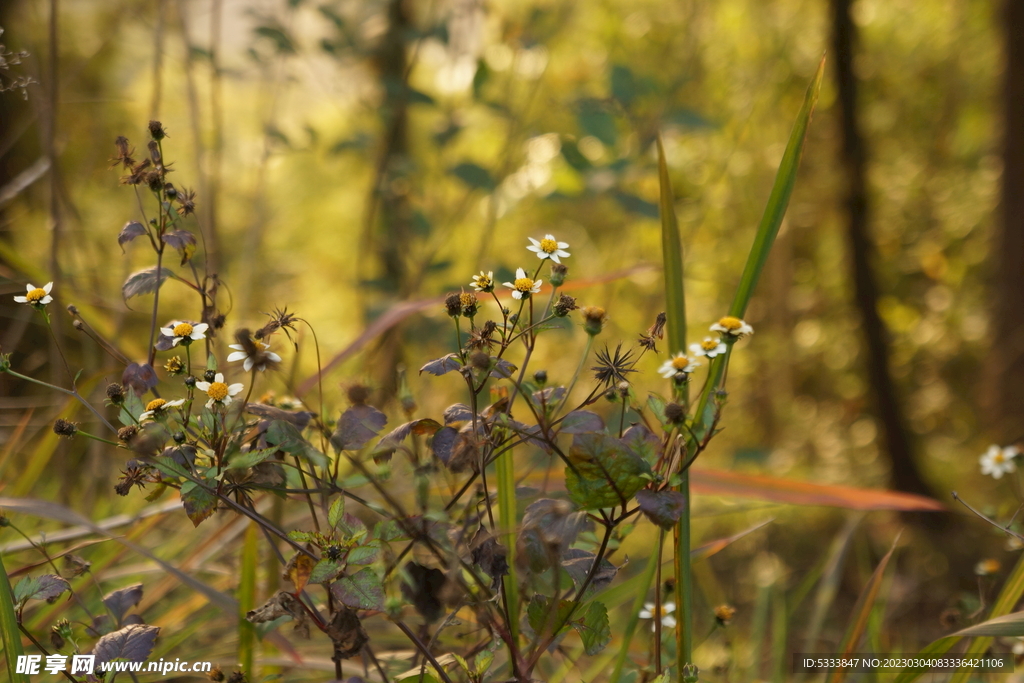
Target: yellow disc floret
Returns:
[155, 405]
[680, 362]
[730, 323]
[182, 330]
[523, 284]
[35, 295]
[218, 391]
[709, 344]
[549, 246]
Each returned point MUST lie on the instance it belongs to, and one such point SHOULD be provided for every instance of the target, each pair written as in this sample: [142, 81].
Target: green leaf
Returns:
[42, 587]
[251, 459]
[594, 629]
[326, 570]
[9, 628]
[364, 554]
[603, 472]
[168, 466]
[131, 408]
[1010, 625]
[199, 503]
[543, 617]
[288, 438]
[672, 252]
[473, 175]
[350, 527]
[336, 512]
[595, 120]
[362, 590]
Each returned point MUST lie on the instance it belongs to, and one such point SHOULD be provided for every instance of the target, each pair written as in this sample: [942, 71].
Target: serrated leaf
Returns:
[362, 590]
[657, 405]
[336, 512]
[133, 643]
[543, 616]
[122, 600]
[581, 422]
[458, 412]
[664, 508]
[301, 536]
[604, 472]
[357, 426]
[594, 629]
[199, 503]
[364, 554]
[326, 570]
[289, 439]
[43, 587]
[130, 231]
[183, 242]
[299, 569]
[442, 365]
[350, 527]
[578, 563]
[144, 282]
[642, 442]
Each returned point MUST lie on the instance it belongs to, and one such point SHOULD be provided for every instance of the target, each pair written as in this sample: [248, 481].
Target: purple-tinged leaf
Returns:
[130, 231]
[198, 502]
[183, 242]
[45, 587]
[141, 377]
[442, 365]
[664, 508]
[581, 422]
[132, 643]
[357, 426]
[144, 282]
[458, 412]
[362, 590]
[122, 600]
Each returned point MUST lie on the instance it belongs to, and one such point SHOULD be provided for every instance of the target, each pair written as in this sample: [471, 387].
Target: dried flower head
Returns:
[481, 339]
[131, 476]
[469, 304]
[127, 433]
[186, 202]
[156, 130]
[115, 393]
[724, 614]
[124, 154]
[564, 305]
[76, 565]
[453, 305]
[280, 319]
[593, 319]
[65, 428]
[174, 365]
[613, 367]
[138, 173]
[359, 394]
[674, 413]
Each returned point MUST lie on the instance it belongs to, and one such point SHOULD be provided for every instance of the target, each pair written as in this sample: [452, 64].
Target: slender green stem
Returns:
[69, 392]
[684, 581]
[506, 473]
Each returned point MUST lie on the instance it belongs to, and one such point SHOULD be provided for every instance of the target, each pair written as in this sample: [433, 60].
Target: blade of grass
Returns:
[861, 612]
[9, 628]
[506, 471]
[643, 587]
[247, 599]
[675, 304]
[1008, 625]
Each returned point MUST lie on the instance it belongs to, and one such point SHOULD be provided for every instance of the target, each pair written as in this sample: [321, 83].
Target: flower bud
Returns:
[209, 375]
[558, 273]
[593, 320]
[541, 377]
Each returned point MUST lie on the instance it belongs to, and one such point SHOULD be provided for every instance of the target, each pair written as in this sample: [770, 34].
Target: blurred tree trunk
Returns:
[1006, 360]
[898, 444]
[388, 213]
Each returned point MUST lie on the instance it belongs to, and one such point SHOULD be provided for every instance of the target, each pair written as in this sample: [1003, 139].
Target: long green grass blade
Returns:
[672, 253]
[247, 600]
[506, 471]
[9, 628]
[646, 579]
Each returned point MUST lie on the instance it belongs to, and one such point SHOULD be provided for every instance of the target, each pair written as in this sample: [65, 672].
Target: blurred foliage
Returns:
[529, 117]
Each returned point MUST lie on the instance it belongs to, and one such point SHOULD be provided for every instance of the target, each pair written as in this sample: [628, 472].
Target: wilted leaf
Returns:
[346, 632]
[199, 503]
[604, 472]
[664, 508]
[43, 587]
[122, 600]
[183, 242]
[357, 426]
[578, 564]
[299, 569]
[144, 282]
[362, 590]
[594, 629]
[423, 590]
[456, 449]
[442, 365]
[133, 643]
[502, 369]
[549, 528]
[299, 418]
[459, 412]
[581, 422]
[393, 439]
[130, 231]
[140, 377]
[490, 556]
[283, 604]
[548, 397]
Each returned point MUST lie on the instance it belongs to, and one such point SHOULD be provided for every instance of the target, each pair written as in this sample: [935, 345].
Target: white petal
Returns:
[29, 287]
[237, 347]
[247, 365]
[554, 257]
[536, 243]
[235, 388]
[47, 287]
[237, 355]
[536, 286]
[520, 273]
[210, 404]
[203, 386]
[167, 331]
[563, 245]
[550, 237]
[21, 299]
[200, 328]
[517, 294]
[219, 377]
[46, 299]
[226, 401]
[273, 357]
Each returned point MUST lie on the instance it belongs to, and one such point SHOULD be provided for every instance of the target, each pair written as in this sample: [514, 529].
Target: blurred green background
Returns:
[351, 156]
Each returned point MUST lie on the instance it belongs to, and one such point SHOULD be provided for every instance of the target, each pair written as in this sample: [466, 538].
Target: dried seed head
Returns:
[154, 152]
[124, 153]
[453, 304]
[115, 393]
[65, 428]
[128, 433]
[564, 305]
[558, 273]
[216, 675]
[674, 413]
[469, 304]
[724, 614]
[174, 365]
[187, 202]
[593, 320]
[358, 394]
[657, 330]
[156, 130]
[480, 360]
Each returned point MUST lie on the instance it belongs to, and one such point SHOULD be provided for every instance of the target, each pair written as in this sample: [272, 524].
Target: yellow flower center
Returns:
[467, 299]
[709, 344]
[990, 566]
[218, 391]
[35, 295]
[156, 404]
[999, 458]
[680, 362]
[548, 246]
[482, 280]
[731, 323]
[523, 284]
[182, 330]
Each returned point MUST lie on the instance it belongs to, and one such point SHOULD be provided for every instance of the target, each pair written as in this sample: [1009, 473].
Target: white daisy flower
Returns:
[182, 332]
[36, 296]
[523, 286]
[732, 326]
[998, 461]
[549, 248]
[157, 407]
[261, 359]
[710, 347]
[219, 392]
[666, 612]
[676, 364]
[484, 282]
